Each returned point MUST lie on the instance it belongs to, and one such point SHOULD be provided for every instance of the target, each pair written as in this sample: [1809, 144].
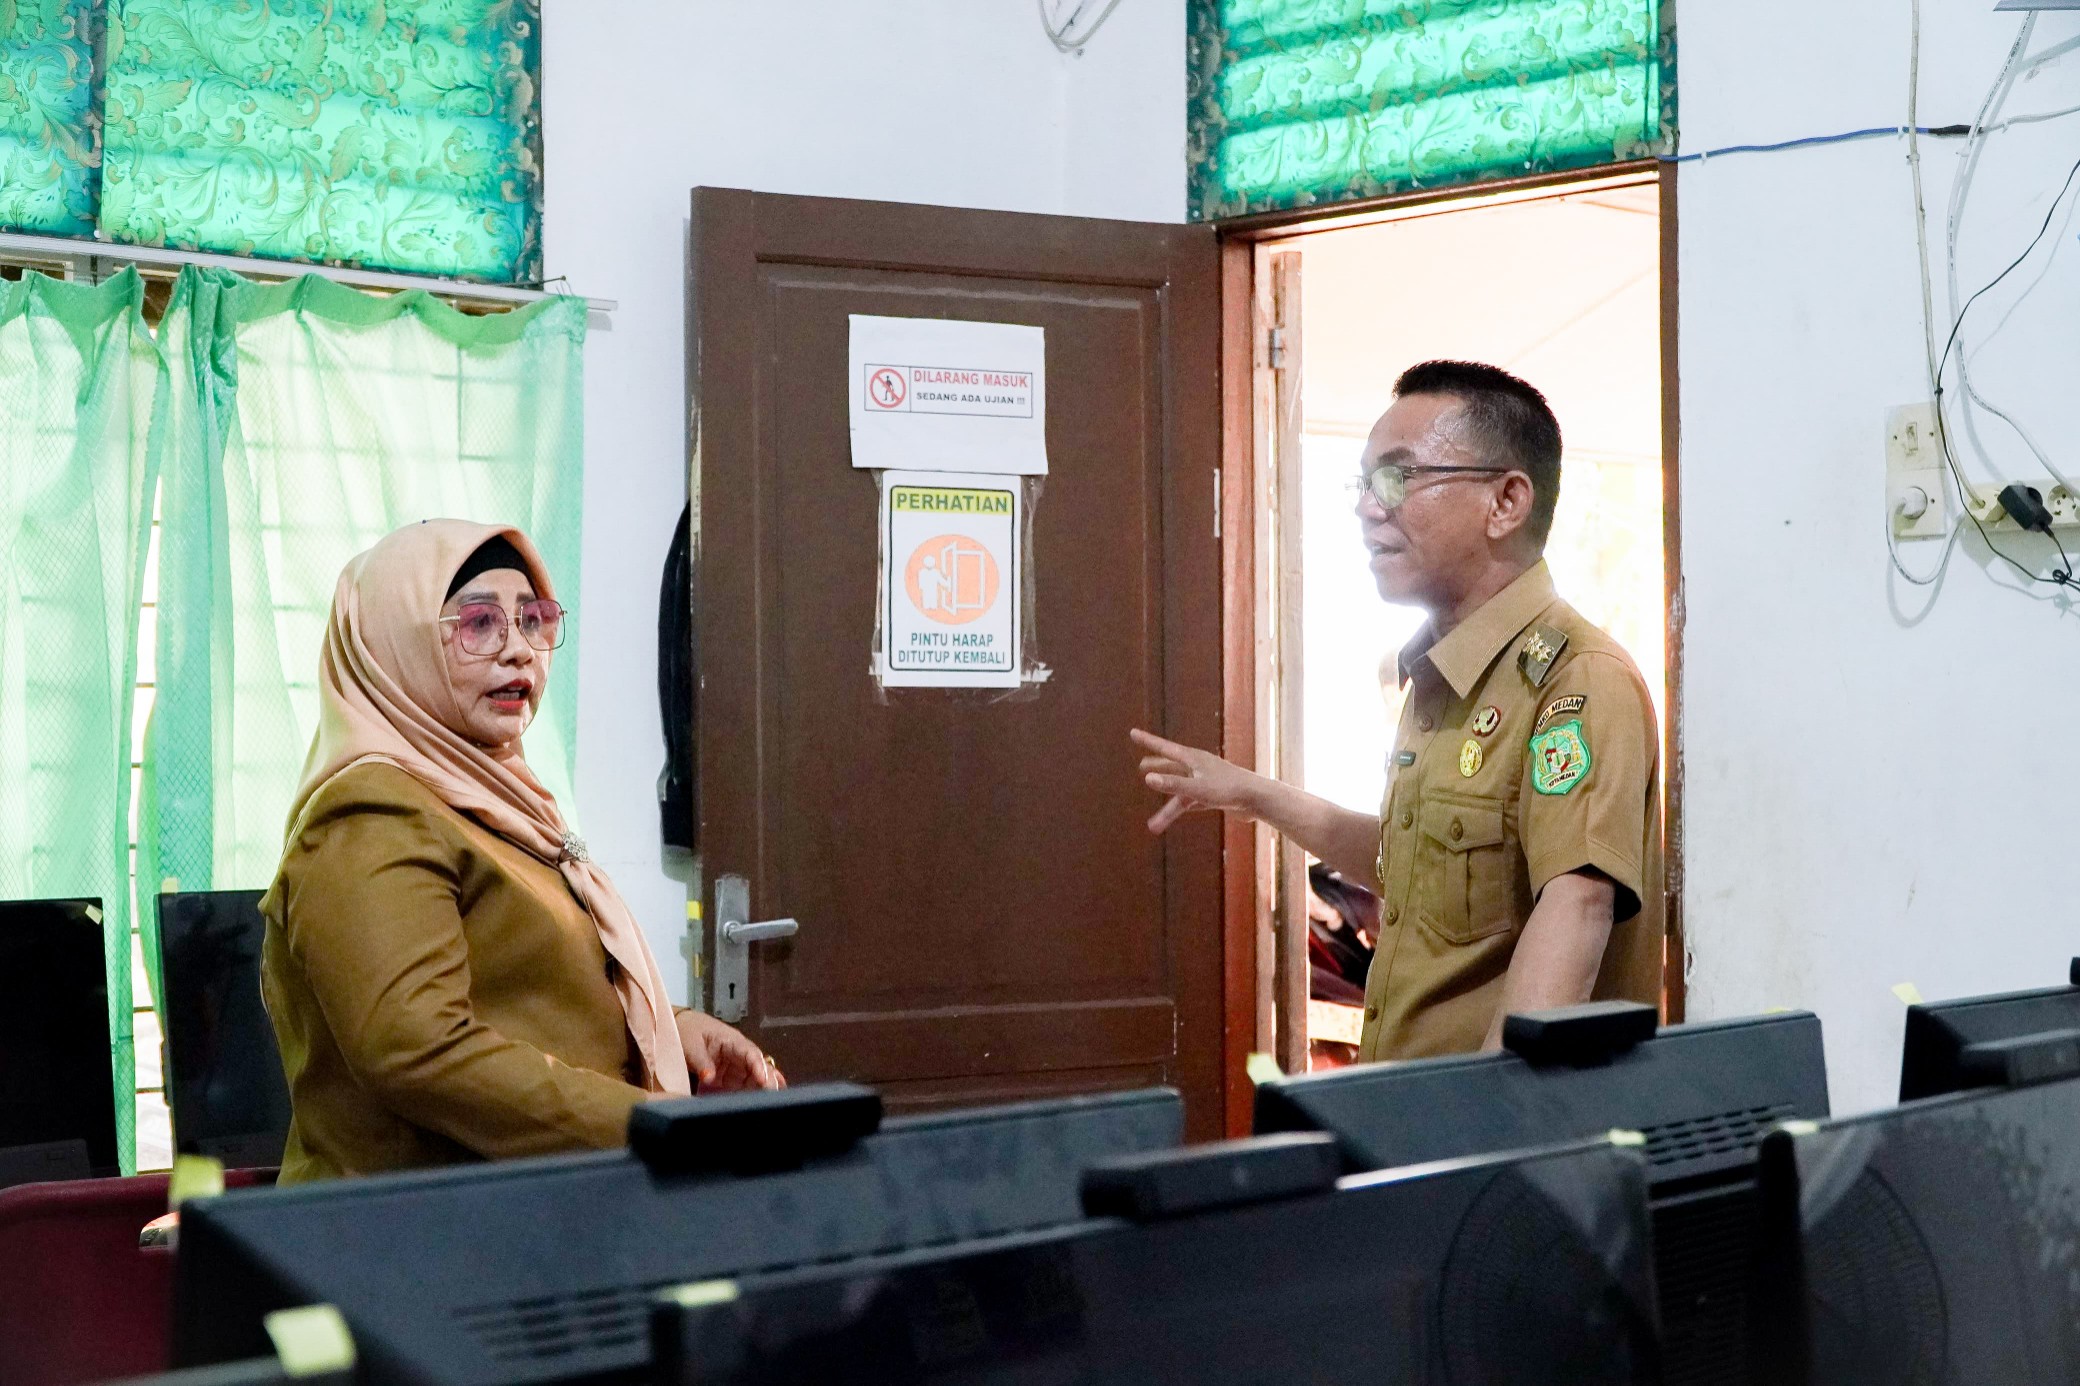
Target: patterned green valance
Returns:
[49, 120]
[1298, 102]
[400, 136]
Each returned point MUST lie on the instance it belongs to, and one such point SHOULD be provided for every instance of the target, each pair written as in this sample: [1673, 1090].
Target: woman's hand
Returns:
[721, 1059]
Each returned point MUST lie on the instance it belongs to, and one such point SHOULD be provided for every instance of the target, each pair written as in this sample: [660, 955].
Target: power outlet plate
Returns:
[1914, 474]
[1986, 508]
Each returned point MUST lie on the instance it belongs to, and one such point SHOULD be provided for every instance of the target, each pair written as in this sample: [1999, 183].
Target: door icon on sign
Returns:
[951, 579]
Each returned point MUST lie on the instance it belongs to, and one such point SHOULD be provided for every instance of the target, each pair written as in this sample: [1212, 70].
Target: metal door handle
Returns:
[734, 935]
[736, 931]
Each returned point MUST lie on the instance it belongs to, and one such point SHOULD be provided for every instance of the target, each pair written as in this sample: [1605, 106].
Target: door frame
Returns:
[1247, 893]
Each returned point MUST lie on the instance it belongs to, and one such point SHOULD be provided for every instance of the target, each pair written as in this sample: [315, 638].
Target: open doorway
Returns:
[1563, 288]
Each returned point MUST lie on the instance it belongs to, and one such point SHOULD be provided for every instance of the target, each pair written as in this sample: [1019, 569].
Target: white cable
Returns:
[2031, 119]
[1942, 565]
[1928, 307]
[1996, 96]
[1060, 37]
[1972, 390]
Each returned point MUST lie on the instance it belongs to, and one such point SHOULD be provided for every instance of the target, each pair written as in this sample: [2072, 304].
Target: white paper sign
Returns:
[950, 580]
[933, 395]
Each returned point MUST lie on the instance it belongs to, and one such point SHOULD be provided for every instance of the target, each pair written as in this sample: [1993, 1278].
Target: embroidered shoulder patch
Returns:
[1560, 707]
[1560, 758]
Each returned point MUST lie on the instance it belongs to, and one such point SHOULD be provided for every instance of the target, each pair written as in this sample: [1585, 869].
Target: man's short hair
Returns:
[1508, 424]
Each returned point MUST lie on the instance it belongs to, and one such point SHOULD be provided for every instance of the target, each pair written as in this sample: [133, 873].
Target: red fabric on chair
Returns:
[80, 1301]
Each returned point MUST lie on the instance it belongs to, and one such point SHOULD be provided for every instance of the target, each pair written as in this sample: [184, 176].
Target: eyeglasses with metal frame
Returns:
[481, 627]
[1388, 482]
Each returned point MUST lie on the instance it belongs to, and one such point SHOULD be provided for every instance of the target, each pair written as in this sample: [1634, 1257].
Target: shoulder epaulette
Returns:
[1542, 650]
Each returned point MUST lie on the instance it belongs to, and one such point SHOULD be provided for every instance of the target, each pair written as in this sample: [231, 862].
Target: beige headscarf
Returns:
[384, 696]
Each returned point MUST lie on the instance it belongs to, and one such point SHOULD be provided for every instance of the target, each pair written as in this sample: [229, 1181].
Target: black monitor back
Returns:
[1533, 1268]
[1939, 1032]
[541, 1270]
[1701, 1095]
[57, 1080]
[224, 1072]
[1938, 1241]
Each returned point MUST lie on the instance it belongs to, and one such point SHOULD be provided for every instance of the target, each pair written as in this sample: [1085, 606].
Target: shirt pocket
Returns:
[1465, 894]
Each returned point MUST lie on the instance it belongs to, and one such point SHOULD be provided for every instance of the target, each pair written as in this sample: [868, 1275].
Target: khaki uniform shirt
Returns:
[438, 993]
[1527, 750]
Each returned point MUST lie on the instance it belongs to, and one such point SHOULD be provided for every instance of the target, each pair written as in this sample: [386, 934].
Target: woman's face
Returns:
[497, 692]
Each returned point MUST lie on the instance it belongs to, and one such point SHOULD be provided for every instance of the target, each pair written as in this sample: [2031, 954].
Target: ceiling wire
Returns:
[1061, 38]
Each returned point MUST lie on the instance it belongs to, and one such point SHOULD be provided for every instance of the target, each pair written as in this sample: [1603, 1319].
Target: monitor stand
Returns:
[37, 1164]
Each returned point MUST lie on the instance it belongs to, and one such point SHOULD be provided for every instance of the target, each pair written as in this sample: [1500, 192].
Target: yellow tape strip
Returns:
[701, 1294]
[311, 1341]
[1262, 1068]
[194, 1176]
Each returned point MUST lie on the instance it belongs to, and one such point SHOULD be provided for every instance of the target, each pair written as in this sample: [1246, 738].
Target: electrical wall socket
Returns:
[1984, 503]
[1917, 503]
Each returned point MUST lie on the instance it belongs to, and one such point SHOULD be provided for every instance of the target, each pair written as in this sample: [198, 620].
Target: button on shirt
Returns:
[1515, 763]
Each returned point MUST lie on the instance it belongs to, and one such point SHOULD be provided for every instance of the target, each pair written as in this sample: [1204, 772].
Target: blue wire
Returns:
[1871, 133]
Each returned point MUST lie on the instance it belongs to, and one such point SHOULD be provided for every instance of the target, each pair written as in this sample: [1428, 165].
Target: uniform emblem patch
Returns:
[1487, 722]
[1560, 707]
[1560, 758]
[1470, 759]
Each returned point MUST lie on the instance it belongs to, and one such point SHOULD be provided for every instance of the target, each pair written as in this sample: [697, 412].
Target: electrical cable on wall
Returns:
[2011, 70]
[1975, 134]
[1061, 36]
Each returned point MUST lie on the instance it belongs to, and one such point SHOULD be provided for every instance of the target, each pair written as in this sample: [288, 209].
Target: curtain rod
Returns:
[65, 248]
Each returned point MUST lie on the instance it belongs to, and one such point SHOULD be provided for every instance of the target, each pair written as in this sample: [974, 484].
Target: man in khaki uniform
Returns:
[1518, 849]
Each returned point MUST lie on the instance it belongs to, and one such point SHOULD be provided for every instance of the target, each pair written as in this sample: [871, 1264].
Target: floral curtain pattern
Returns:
[376, 133]
[1299, 102]
[50, 144]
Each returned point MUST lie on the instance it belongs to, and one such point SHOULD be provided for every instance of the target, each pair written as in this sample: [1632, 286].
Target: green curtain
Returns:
[50, 142]
[1299, 102]
[79, 377]
[391, 136]
[305, 420]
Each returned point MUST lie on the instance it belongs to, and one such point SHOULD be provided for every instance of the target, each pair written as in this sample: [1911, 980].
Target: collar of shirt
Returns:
[1465, 654]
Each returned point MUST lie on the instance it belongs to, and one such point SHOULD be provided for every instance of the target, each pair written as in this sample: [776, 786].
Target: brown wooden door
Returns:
[983, 915]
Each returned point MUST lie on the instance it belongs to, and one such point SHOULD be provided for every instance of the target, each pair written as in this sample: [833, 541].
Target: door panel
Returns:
[982, 910]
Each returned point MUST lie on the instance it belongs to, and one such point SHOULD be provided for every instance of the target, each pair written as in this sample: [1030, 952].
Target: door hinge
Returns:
[1276, 347]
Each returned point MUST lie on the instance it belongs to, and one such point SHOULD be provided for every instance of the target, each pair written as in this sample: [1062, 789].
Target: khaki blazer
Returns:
[439, 995]
[1527, 750]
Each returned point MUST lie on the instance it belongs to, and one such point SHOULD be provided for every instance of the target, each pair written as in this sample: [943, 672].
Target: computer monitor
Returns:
[57, 1081]
[1701, 1095]
[224, 1073]
[536, 1271]
[1931, 1242]
[1528, 1268]
[1938, 1033]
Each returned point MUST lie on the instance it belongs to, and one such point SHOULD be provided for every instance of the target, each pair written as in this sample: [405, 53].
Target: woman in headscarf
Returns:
[450, 976]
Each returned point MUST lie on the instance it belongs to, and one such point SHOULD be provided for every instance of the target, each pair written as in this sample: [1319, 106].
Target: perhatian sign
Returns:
[929, 394]
[950, 580]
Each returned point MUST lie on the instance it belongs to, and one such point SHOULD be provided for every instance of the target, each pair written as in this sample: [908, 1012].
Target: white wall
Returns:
[1879, 788]
[961, 102]
[1876, 785]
